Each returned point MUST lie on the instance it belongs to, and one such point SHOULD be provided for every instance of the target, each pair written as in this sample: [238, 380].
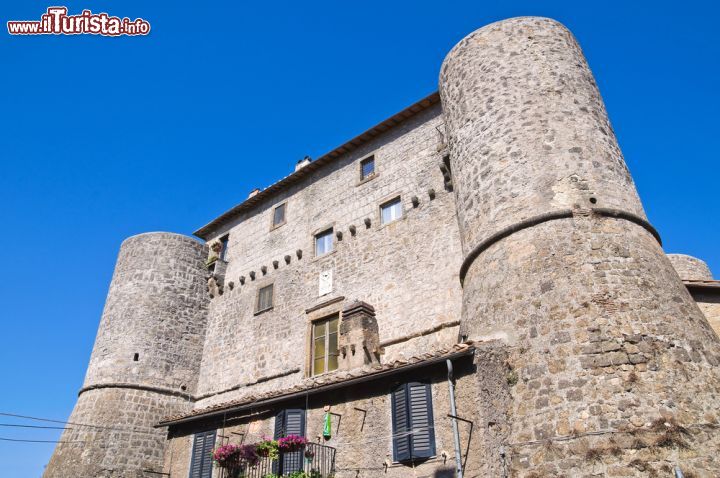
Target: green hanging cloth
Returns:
[327, 430]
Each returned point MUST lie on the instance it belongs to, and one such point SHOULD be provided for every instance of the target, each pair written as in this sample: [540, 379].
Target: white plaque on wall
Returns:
[325, 283]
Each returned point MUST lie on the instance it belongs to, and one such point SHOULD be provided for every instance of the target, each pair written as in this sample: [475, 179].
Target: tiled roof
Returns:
[713, 284]
[209, 229]
[323, 383]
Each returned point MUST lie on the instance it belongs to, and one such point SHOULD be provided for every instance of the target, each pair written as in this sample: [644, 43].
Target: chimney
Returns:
[303, 162]
[359, 339]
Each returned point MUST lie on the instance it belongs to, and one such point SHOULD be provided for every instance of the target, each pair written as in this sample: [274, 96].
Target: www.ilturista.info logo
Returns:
[57, 22]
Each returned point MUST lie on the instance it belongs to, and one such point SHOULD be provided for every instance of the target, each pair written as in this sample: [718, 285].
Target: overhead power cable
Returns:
[148, 430]
[38, 441]
[33, 426]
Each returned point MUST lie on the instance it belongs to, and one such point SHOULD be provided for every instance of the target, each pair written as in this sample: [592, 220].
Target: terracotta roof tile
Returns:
[317, 383]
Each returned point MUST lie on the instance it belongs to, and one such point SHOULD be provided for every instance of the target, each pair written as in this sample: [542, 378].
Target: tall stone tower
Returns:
[145, 361]
[608, 366]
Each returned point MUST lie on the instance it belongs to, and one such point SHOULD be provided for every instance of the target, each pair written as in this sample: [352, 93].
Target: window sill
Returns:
[277, 226]
[382, 226]
[324, 374]
[263, 311]
[367, 179]
[318, 258]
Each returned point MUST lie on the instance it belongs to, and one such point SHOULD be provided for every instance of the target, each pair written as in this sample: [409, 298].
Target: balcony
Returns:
[317, 461]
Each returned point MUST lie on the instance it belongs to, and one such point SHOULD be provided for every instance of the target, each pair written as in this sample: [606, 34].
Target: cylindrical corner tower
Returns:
[612, 366]
[690, 268]
[145, 361]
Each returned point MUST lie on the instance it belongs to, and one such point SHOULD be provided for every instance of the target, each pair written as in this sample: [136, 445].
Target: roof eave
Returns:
[319, 389]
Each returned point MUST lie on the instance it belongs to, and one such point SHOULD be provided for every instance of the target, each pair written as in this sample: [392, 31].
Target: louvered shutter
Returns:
[412, 420]
[207, 455]
[295, 422]
[201, 459]
[421, 420]
[400, 424]
[279, 425]
[290, 422]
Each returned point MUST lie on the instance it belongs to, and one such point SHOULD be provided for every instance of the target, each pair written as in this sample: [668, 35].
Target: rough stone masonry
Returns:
[522, 253]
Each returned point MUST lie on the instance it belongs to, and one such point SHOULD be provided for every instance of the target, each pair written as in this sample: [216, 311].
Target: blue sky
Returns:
[102, 138]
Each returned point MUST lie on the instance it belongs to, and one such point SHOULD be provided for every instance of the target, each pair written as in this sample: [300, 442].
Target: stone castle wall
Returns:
[145, 361]
[592, 357]
[407, 270]
[613, 358]
[690, 268]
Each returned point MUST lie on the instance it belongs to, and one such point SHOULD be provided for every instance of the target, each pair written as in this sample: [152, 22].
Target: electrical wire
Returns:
[38, 441]
[148, 430]
[33, 426]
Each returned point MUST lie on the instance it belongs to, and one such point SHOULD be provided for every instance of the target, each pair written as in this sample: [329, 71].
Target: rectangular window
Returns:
[265, 298]
[391, 211]
[367, 167]
[323, 242]
[201, 463]
[412, 422]
[325, 345]
[279, 215]
[224, 246]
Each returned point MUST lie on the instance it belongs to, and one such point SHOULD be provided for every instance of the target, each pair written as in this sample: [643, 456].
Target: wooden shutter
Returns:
[400, 425]
[412, 421]
[279, 425]
[421, 420]
[289, 422]
[201, 459]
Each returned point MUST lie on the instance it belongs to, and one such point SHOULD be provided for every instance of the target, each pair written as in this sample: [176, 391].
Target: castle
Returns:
[469, 288]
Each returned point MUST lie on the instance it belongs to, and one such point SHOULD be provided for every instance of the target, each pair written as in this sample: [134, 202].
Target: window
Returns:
[412, 422]
[323, 242]
[265, 298]
[279, 215]
[367, 167]
[201, 463]
[391, 211]
[325, 345]
[224, 246]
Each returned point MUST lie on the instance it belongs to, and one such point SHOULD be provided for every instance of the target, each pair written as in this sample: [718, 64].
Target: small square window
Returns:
[265, 298]
[367, 167]
[391, 211]
[279, 215]
[323, 242]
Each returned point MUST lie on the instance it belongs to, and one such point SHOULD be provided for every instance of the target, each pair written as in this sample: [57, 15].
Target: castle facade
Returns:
[469, 288]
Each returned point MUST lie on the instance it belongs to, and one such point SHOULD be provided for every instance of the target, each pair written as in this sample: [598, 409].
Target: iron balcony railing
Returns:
[316, 460]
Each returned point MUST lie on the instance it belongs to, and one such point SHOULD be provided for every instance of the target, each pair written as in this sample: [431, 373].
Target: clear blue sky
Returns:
[102, 138]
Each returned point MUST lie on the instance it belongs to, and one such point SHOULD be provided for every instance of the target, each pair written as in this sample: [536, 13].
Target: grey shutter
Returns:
[400, 424]
[290, 422]
[279, 425]
[201, 458]
[295, 422]
[421, 420]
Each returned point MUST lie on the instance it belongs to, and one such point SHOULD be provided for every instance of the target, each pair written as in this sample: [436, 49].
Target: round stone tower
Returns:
[608, 364]
[690, 268]
[145, 361]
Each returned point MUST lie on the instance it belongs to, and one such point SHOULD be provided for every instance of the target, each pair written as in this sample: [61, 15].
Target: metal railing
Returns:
[316, 460]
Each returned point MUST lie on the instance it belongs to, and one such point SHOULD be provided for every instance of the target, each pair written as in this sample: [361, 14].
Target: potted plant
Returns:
[267, 448]
[234, 458]
[292, 443]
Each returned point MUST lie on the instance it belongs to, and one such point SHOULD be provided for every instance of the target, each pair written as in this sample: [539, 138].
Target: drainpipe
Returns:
[453, 412]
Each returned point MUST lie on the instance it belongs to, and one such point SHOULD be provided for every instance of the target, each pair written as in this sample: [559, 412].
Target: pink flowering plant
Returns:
[292, 443]
[235, 457]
